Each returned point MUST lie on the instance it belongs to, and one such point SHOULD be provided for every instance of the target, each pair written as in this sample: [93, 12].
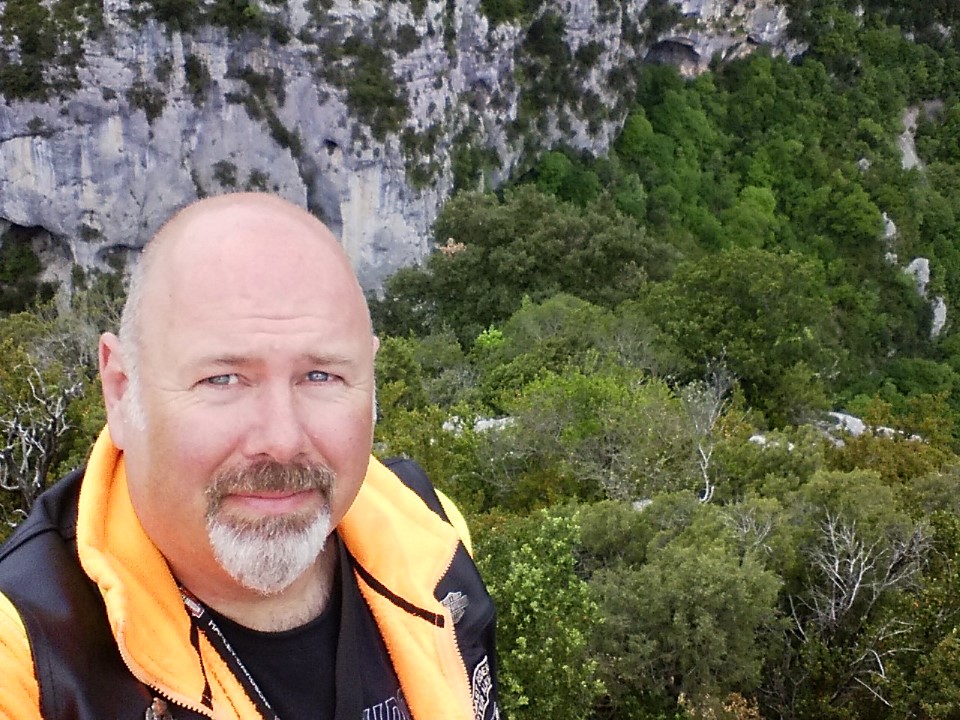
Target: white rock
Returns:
[939, 316]
[920, 269]
[848, 423]
[889, 228]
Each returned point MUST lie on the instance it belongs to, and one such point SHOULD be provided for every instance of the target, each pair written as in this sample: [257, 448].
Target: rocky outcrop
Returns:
[368, 113]
[919, 269]
[906, 141]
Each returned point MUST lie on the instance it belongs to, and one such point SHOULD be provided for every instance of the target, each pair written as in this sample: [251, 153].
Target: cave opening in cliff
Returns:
[20, 268]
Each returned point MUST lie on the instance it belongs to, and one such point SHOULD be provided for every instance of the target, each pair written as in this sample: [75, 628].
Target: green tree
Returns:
[545, 616]
[752, 220]
[685, 615]
[50, 408]
[494, 253]
[856, 551]
[920, 683]
[764, 314]
[611, 433]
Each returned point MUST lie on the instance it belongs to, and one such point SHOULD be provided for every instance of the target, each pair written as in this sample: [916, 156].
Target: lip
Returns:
[273, 503]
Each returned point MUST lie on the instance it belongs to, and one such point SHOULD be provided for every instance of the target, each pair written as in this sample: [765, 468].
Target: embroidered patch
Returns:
[456, 603]
[158, 710]
[482, 684]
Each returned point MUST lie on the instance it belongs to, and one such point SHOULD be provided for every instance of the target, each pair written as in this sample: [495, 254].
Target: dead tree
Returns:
[849, 576]
[705, 402]
[31, 425]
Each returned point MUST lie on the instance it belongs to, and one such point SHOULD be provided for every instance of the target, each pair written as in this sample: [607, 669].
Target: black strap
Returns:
[202, 622]
[415, 478]
[405, 605]
[349, 689]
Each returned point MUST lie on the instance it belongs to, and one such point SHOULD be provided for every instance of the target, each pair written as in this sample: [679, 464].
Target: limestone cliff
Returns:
[368, 113]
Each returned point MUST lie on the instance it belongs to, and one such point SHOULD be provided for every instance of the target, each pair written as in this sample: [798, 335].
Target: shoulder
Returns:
[19, 691]
[456, 518]
[415, 477]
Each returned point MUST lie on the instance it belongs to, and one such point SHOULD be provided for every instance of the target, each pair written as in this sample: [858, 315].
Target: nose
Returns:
[278, 432]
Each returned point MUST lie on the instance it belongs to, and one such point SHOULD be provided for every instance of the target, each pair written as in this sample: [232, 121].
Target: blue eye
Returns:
[226, 379]
[318, 376]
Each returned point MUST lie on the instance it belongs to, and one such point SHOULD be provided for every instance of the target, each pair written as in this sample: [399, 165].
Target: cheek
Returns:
[344, 442]
[190, 446]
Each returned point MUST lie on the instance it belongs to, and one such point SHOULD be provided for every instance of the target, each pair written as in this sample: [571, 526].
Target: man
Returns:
[231, 549]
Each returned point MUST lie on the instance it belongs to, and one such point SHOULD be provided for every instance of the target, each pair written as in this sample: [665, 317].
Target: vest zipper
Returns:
[170, 696]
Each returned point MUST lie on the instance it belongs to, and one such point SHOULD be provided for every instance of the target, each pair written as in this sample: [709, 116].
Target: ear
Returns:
[376, 345]
[115, 381]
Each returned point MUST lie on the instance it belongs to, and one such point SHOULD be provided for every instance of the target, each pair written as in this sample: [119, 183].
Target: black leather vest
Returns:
[76, 661]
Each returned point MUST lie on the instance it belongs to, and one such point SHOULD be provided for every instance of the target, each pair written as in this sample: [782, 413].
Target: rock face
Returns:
[919, 269]
[367, 113]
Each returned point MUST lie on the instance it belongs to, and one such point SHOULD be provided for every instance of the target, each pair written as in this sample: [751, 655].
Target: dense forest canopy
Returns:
[622, 368]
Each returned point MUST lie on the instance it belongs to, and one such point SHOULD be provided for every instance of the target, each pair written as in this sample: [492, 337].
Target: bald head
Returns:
[242, 226]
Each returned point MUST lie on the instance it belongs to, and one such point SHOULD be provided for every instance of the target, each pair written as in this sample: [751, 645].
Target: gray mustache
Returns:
[269, 477]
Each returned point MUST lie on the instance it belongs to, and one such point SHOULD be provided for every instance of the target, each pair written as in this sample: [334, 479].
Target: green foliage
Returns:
[361, 67]
[23, 80]
[237, 15]
[259, 181]
[48, 41]
[50, 407]
[469, 161]
[408, 39]
[765, 315]
[530, 244]
[547, 66]
[148, 98]
[658, 16]
[685, 604]
[20, 285]
[558, 175]
[420, 150]
[940, 139]
[505, 11]
[771, 463]
[606, 433]
[545, 616]
[175, 14]
[225, 173]
[920, 683]
[857, 553]
[198, 77]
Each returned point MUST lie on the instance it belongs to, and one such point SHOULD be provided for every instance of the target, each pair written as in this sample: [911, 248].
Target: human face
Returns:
[255, 351]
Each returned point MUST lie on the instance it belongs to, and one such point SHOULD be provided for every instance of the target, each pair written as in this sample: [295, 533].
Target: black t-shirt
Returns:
[294, 669]
[333, 668]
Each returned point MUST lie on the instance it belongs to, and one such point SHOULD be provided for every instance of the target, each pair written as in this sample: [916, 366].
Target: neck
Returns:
[292, 607]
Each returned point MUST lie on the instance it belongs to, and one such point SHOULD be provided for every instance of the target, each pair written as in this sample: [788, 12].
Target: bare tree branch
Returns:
[31, 427]
[705, 402]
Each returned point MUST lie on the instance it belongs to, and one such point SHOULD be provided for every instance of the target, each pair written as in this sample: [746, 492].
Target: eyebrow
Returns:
[236, 360]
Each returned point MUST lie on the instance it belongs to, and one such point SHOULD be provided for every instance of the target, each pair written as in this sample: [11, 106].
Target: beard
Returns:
[267, 553]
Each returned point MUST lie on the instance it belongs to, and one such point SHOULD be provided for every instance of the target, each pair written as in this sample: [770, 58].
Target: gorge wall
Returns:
[370, 114]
